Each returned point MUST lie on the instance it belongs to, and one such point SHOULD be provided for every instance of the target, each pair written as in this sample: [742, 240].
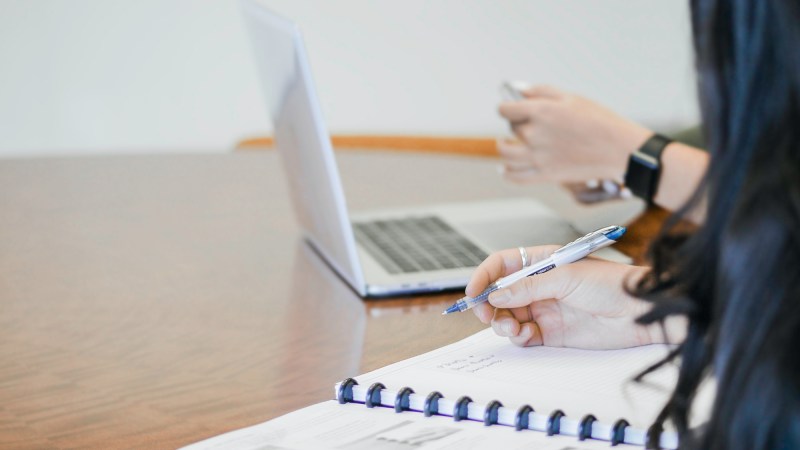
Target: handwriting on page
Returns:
[470, 364]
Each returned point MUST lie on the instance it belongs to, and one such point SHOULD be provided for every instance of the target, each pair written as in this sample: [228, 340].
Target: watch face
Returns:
[644, 167]
[642, 176]
[644, 159]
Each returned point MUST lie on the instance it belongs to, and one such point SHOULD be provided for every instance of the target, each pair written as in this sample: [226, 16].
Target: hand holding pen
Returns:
[575, 250]
[582, 305]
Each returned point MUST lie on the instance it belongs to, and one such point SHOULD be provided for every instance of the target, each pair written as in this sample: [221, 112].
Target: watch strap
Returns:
[655, 146]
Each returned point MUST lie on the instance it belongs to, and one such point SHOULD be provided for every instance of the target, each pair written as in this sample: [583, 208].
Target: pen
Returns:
[575, 250]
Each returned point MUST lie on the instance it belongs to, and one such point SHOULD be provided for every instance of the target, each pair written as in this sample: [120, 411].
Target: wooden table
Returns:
[153, 301]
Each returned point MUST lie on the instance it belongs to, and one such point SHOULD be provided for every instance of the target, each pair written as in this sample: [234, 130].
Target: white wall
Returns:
[88, 76]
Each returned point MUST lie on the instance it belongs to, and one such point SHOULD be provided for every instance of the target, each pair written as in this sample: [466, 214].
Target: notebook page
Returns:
[579, 382]
[330, 425]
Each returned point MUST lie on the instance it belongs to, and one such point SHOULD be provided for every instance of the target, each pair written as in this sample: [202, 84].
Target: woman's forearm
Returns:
[682, 168]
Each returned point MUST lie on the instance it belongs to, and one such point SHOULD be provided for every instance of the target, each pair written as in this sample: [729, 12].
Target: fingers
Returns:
[495, 266]
[543, 91]
[513, 150]
[505, 324]
[536, 99]
[484, 312]
[489, 270]
[517, 326]
[514, 112]
[520, 164]
[523, 111]
[502, 263]
[529, 335]
[553, 284]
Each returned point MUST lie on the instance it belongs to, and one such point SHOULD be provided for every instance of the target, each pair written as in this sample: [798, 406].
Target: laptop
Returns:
[386, 253]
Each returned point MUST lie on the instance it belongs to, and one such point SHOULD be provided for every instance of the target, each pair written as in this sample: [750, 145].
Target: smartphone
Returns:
[513, 90]
[596, 191]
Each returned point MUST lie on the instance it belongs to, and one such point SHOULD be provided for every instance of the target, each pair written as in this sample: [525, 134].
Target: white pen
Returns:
[575, 250]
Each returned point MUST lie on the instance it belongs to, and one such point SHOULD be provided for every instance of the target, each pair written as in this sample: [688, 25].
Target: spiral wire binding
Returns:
[554, 422]
[432, 404]
[618, 432]
[344, 394]
[461, 409]
[521, 419]
[401, 401]
[490, 413]
[585, 428]
[374, 395]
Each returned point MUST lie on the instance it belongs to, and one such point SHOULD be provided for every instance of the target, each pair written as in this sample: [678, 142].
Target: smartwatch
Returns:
[644, 167]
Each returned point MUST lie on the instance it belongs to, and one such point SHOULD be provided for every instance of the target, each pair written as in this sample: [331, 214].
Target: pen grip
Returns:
[484, 296]
[508, 281]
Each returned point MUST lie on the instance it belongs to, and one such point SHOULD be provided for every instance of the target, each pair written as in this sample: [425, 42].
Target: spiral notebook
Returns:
[483, 391]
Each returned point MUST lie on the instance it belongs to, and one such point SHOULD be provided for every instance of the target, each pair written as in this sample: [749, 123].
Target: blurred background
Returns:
[147, 76]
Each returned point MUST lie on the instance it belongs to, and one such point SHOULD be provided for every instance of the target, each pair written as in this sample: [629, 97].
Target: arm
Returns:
[682, 168]
[570, 138]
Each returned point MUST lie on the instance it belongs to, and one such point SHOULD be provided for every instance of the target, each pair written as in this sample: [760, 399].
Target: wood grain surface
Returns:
[154, 301]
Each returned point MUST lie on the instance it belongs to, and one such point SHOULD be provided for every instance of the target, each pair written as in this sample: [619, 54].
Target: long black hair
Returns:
[737, 278]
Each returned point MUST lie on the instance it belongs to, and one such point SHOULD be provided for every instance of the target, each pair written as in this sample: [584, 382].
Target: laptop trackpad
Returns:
[501, 234]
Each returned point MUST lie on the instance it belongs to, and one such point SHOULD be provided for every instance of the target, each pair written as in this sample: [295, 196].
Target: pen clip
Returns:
[578, 241]
[587, 238]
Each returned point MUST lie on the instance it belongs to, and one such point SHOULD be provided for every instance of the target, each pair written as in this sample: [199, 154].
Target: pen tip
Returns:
[451, 309]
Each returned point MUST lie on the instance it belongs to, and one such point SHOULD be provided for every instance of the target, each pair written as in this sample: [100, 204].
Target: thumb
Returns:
[555, 284]
[543, 91]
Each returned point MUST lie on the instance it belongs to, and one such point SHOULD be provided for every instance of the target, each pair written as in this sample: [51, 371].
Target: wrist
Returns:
[628, 142]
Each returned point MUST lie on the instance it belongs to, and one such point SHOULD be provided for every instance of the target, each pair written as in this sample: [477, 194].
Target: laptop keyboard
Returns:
[417, 244]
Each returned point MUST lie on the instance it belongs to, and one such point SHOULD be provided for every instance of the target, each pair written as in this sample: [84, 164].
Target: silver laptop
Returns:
[378, 253]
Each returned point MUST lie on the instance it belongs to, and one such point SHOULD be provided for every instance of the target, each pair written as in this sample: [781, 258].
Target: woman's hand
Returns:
[581, 305]
[565, 137]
